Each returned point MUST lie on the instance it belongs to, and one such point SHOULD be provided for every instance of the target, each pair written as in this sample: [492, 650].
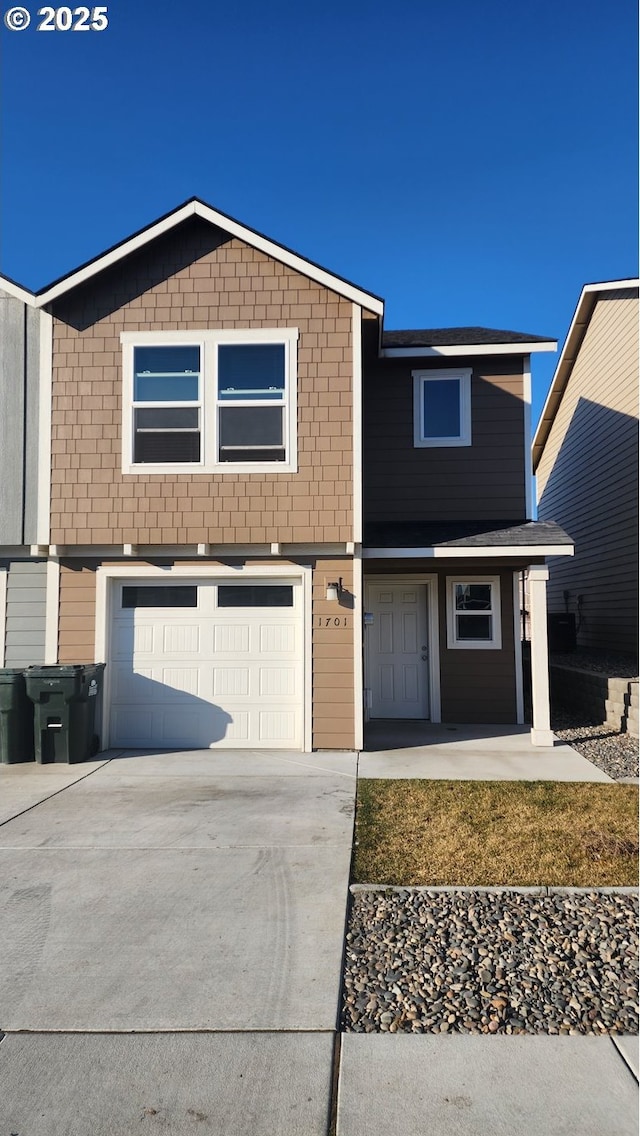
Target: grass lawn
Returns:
[486, 833]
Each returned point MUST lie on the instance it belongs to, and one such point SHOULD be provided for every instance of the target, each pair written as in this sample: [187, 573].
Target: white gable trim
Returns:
[18, 293]
[235, 229]
[468, 552]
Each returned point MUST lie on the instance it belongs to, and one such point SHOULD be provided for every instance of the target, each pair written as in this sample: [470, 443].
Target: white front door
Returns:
[397, 651]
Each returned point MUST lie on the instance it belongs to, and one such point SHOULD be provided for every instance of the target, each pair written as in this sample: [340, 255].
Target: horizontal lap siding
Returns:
[588, 479]
[479, 686]
[227, 286]
[77, 615]
[333, 659]
[26, 613]
[484, 481]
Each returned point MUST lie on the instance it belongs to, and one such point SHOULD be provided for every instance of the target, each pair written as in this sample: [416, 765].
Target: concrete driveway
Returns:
[195, 898]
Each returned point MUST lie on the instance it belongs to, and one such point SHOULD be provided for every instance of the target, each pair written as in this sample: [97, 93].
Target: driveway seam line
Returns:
[623, 1055]
[56, 794]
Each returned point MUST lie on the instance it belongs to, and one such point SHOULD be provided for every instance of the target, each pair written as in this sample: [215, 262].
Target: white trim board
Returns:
[463, 349]
[107, 574]
[228, 225]
[52, 613]
[517, 647]
[356, 333]
[43, 514]
[469, 552]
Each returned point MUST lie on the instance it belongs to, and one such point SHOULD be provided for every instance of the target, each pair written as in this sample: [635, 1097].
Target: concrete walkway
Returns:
[468, 753]
[171, 941]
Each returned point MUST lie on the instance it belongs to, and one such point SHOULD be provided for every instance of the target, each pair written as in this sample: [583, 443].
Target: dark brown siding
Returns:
[484, 481]
[478, 686]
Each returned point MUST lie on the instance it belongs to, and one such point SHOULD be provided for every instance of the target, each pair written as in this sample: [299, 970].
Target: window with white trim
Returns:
[210, 400]
[442, 408]
[473, 613]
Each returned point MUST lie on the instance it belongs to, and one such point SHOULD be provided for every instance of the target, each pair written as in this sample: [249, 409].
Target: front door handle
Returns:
[424, 658]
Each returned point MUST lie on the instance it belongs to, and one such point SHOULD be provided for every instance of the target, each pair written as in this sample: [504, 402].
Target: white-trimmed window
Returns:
[473, 613]
[442, 408]
[210, 400]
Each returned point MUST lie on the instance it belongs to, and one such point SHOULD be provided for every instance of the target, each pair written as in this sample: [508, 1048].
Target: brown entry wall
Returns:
[332, 646]
[483, 481]
[478, 686]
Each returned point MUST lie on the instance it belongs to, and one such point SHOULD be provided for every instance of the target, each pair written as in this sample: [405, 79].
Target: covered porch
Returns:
[443, 627]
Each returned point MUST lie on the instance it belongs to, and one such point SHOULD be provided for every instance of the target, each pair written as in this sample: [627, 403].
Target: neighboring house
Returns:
[271, 518]
[585, 454]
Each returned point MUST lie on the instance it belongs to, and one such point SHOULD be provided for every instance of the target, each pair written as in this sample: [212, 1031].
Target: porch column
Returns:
[541, 731]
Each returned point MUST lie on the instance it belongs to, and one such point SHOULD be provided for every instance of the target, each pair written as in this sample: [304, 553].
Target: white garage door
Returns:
[202, 664]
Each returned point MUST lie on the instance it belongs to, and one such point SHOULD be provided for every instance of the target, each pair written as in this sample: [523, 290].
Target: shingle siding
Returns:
[200, 278]
[588, 478]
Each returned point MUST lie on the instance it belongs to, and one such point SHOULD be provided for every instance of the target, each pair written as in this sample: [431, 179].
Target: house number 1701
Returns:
[332, 621]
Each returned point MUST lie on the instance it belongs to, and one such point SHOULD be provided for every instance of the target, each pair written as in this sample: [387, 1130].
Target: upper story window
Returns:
[210, 400]
[442, 408]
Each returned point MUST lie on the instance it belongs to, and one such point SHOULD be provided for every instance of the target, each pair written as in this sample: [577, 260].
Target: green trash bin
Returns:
[64, 699]
[16, 717]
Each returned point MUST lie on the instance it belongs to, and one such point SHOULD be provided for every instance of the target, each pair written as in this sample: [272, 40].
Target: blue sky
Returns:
[473, 163]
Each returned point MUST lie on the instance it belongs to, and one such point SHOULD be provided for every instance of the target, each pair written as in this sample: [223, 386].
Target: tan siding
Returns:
[181, 284]
[77, 615]
[479, 686]
[588, 478]
[484, 481]
[333, 660]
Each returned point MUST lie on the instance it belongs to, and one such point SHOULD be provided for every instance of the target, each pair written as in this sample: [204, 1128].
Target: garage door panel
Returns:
[181, 639]
[231, 680]
[231, 639]
[277, 639]
[277, 681]
[277, 726]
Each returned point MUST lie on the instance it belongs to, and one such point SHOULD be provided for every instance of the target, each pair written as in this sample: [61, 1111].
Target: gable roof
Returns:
[569, 354]
[436, 341]
[194, 207]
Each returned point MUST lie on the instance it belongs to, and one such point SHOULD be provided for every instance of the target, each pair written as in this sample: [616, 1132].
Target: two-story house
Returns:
[270, 517]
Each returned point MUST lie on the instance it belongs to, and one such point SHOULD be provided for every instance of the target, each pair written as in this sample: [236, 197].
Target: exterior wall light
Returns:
[334, 591]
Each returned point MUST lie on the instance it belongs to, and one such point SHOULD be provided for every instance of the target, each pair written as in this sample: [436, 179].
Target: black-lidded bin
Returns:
[64, 699]
[16, 717]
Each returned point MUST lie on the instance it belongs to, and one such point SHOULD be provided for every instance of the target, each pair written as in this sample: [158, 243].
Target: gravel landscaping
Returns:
[616, 754]
[426, 961]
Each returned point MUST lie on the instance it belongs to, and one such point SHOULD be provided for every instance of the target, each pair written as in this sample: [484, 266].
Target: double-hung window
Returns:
[167, 404]
[210, 400]
[442, 408]
[473, 613]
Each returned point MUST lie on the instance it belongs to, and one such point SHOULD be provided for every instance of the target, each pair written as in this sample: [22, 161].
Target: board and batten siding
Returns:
[483, 481]
[588, 479]
[26, 613]
[19, 383]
